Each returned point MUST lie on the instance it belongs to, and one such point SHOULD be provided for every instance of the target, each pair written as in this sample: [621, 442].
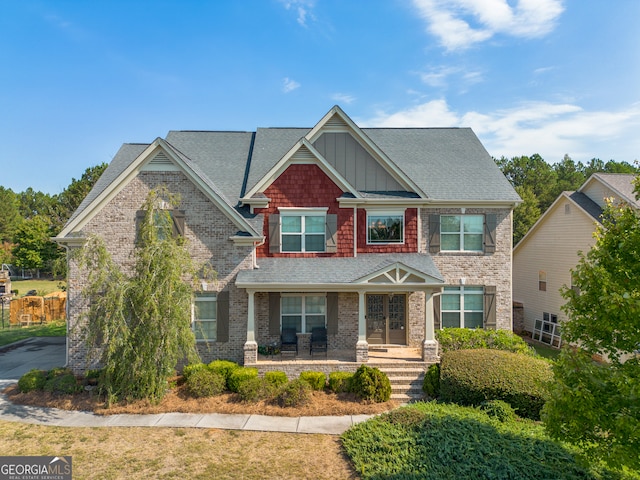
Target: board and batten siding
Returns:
[553, 248]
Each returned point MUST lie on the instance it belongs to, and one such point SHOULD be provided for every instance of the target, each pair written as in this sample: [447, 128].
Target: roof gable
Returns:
[604, 185]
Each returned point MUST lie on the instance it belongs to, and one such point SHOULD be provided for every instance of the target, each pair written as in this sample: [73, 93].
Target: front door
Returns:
[386, 319]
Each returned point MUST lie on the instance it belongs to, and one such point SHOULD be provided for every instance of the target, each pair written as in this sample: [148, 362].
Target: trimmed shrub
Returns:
[192, 367]
[470, 377]
[498, 409]
[62, 381]
[256, 389]
[32, 380]
[240, 375]
[317, 380]
[469, 339]
[276, 378]
[202, 382]
[340, 382]
[371, 384]
[296, 393]
[431, 381]
[224, 368]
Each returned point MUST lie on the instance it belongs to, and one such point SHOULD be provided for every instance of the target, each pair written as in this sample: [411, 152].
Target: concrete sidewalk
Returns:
[328, 425]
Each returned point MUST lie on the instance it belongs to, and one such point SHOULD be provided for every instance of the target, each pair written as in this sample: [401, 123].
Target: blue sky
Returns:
[79, 78]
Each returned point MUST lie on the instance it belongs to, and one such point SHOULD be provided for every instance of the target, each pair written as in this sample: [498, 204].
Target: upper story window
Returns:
[461, 232]
[302, 230]
[542, 281]
[385, 227]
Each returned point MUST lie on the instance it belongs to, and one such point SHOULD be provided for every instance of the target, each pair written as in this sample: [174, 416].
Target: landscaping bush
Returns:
[470, 377]
[192, 367]
[202, 382]
[340, 382]
[431, 381]
[32, 380]
[317, 380]
[276, 378]
[240, 375]
[296, 393]
[224, 368]
[468, 339]
[256, 389]
[371, 384]
[498, 409]
[61, 381]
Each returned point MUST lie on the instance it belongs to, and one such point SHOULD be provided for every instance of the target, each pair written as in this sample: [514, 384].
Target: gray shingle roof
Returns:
[331, 270]
[622, 183]
[588, 205]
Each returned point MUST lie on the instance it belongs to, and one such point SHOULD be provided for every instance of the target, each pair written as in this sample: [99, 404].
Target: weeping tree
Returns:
[139, 324]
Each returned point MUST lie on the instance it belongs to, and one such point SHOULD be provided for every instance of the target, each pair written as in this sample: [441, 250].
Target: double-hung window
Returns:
[461, 232]
[385, 227]
[204, 318]
[303, 312]
[462, 307]
[303, 230]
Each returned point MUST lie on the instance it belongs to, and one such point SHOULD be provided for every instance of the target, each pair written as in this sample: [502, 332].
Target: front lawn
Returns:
[52, 329]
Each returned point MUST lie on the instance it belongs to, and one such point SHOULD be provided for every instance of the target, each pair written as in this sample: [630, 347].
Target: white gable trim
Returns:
[398, 274]
[140, 164]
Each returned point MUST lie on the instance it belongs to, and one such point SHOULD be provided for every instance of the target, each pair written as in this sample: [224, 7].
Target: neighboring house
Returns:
[381, 235]
[544, 258]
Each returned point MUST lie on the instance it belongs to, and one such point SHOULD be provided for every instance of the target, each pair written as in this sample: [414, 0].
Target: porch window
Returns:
[303, 312]
[462, 307]
[303, 231]
[385, 227]
[461, 233]
[204, 317]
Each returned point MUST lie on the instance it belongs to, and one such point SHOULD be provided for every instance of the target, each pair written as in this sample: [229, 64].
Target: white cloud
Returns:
[303, 8]
[550, 129]
[289, 85]
[343, 98]
[458, 24]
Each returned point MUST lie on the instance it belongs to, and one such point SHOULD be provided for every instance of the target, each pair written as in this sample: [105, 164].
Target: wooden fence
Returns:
[36, 310]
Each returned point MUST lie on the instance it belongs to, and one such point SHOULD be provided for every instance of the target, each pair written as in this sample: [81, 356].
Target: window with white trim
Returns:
[462, 307]
[303, 230]
[385, 227]
[461, 233]
[204, 318]
[542, 281]
[303, 312]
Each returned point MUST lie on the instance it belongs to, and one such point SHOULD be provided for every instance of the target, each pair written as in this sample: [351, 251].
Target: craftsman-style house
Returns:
[379, 235]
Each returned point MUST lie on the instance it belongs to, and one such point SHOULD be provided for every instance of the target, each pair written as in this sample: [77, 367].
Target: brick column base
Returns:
[250, 353]
[430, 351]
[362, 352]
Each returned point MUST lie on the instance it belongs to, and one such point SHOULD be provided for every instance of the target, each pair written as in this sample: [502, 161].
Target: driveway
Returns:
[43, 353]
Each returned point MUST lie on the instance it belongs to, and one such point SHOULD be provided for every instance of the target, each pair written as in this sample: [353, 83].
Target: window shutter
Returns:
[274, 233]
[490, 307]
[332, 233]
[274, 313]
[332, 313]
[177, 217]
[490, 233]
[434, 233]
[222, 316]
[437, 323]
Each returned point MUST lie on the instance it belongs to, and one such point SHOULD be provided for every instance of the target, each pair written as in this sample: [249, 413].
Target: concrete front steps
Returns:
[406, 380]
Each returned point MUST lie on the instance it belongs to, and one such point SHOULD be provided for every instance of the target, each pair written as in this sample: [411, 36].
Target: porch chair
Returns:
[288, 341]
[318, 342]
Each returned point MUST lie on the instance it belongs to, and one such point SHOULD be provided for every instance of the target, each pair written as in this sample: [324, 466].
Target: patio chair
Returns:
[318, 342]
[288, 341]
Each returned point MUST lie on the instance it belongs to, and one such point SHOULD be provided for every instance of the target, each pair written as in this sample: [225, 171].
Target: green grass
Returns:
[10, 335]
[43, 287]
[441, 441]
[546, 351]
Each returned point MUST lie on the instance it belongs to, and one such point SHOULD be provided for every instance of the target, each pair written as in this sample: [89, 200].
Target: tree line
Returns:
[30, 218]
[539, 183]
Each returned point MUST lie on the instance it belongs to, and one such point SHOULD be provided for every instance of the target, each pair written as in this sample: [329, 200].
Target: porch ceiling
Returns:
[373, 272]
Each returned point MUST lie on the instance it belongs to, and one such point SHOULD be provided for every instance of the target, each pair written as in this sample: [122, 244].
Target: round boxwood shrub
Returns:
[296, 393]
[340, 382]
[224, 368]
[240, 375]
[317, 380]
[61, 381]
[192, 367]
[473, 338]
[431, 381]
[256, 389]
[32, 380]
[371, 384]
[276, 378]
[202, 382]
[470, 377]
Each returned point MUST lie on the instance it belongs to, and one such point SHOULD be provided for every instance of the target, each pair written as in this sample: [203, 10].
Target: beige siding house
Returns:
[543, 259]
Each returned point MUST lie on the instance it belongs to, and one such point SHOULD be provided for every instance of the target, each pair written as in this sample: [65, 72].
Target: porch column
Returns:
[251, 346]
[362, 347]
[430, 345]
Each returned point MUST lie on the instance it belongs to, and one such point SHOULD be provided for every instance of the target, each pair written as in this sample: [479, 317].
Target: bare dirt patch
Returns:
[177, 400]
